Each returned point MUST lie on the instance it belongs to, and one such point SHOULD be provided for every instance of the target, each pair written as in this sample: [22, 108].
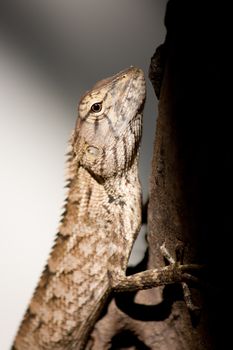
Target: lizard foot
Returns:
[179, 261]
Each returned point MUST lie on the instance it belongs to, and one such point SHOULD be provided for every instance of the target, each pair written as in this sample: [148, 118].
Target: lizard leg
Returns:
[185, 287]
[154, 278]
[176, 272]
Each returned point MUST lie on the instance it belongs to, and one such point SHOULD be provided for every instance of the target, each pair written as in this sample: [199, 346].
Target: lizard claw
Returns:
[179, 260]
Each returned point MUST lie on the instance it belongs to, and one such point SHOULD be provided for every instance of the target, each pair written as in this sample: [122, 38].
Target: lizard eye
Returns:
[96, 107]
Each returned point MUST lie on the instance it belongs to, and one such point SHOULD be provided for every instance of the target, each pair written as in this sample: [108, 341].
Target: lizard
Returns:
[100, 223]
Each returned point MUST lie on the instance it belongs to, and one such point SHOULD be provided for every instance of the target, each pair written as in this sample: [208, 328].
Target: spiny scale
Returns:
[101, 219]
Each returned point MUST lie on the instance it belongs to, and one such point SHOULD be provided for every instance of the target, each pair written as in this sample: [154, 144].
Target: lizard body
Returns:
[101, 219]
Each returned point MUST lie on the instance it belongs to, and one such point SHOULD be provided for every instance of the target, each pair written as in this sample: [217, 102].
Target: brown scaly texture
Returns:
[100, 224]
[102, 217]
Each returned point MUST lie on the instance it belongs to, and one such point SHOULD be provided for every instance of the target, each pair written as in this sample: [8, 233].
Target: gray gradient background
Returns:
[50, 53]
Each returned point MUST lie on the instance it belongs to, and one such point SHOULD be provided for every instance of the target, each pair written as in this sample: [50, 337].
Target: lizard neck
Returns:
[109, 208]
[86, 195]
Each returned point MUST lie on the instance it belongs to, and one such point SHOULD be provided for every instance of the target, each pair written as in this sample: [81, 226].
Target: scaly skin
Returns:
[101, 219]
[100, 223]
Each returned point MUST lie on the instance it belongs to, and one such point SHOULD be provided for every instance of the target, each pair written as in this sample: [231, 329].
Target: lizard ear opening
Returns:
[93, 151]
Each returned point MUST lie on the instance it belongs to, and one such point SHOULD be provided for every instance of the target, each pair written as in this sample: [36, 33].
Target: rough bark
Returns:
[190, 192]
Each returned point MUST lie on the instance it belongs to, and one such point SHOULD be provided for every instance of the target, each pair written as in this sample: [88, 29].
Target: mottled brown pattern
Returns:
[101, 221]
[96, 234]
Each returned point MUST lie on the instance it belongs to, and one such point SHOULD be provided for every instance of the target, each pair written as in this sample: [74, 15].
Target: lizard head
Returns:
[109, 125]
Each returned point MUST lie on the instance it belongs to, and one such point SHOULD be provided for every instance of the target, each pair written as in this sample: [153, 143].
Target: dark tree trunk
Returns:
[190, 191]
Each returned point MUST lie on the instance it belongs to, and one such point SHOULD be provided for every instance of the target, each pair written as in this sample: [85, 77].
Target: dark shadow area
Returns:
[196, 137]
[125, 302]
[198, 46]
[127, 340]
[144, 212]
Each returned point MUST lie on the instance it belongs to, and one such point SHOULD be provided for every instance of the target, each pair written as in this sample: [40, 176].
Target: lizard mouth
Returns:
[134, 86]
